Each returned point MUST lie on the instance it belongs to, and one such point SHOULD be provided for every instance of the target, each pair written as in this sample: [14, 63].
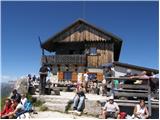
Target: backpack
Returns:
[123, 115]
[28, 106]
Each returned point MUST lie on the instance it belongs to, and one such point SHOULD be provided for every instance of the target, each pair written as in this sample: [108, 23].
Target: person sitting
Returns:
[79, 100]
[16, 96]
[111, 109]
[140, 111]
[23, 99]
[142, 75]
[17, 110]
[129, 74]
[7, 109]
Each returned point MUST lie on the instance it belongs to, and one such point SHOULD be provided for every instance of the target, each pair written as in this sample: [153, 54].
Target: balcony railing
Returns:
[64, 59]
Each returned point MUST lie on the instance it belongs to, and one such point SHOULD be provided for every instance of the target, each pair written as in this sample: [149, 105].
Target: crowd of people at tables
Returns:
[91, 84]
[15, 106]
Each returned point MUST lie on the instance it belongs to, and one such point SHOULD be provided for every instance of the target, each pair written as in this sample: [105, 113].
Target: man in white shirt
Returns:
[111, 109]
[85, 77]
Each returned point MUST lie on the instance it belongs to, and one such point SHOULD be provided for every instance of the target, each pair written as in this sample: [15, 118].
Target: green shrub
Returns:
[38, 103]
[43, 108]
[35, 102]
[2, 102]
[29, 97]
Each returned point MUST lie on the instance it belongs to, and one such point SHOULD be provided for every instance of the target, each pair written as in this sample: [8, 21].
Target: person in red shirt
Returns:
[7, 108]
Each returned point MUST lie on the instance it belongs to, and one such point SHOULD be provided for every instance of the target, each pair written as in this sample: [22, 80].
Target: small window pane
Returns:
[93, 51]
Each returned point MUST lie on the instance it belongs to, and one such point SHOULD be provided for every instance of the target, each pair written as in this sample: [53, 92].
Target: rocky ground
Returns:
[51, 114]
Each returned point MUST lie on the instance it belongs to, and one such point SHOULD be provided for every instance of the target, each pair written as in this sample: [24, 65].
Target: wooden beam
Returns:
[135, 101]
[129, 90]
[125, 78]
[126, 94]
[133, 105]
[132, 86]
[135, 86]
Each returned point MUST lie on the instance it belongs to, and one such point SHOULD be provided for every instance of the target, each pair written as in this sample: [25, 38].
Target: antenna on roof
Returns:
[41, 45]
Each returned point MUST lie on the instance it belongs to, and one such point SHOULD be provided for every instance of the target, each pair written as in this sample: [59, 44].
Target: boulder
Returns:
[22, 85]
[92, 107]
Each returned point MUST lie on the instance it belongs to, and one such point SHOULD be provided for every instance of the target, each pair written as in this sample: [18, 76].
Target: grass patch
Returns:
[29, 97]
[43, 108]
[2, 102]
[34, 101]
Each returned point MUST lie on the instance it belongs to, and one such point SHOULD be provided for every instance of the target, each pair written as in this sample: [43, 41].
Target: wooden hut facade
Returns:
[78, 47]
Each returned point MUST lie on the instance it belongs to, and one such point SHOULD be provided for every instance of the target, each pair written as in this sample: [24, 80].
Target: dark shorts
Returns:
[20, 113]
[111, 114]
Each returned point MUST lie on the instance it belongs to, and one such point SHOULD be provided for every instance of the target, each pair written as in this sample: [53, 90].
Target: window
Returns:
[93, 51]
[67, 75]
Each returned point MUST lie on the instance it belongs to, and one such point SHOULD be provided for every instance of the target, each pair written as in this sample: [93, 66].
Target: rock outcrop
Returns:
[22, 85]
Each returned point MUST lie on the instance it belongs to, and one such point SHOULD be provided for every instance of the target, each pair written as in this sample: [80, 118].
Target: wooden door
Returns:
[74, 77]
[60, 76]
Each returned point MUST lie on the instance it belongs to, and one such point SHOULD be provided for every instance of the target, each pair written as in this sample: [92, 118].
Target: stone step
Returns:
[54, 99]
[57, 101]
[56, 107]
[51, 97]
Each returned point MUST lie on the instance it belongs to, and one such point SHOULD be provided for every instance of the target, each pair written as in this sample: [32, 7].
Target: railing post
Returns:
[149, 98]
[112, 85]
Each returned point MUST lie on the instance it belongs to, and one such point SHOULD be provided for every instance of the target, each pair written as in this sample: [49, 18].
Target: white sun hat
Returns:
[111, 98]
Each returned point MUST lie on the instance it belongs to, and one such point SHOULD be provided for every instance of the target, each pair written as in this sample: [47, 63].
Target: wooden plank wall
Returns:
[104, 54]
[92, 38]
[81, 33]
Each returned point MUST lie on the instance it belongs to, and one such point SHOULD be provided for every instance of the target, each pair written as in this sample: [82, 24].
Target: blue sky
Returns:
[22, 22]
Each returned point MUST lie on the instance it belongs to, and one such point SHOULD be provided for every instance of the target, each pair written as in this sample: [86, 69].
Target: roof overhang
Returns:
[47, 45]
[130, 66]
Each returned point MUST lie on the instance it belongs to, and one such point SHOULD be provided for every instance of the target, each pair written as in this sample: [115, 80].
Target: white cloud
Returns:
[6, 78]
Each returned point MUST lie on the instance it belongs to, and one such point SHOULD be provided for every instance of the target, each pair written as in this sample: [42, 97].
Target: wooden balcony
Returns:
[64, 59]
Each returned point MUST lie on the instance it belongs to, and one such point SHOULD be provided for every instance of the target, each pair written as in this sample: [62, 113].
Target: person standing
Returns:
[85, 81]
[43, 72]
[34, 78]
[108, 72]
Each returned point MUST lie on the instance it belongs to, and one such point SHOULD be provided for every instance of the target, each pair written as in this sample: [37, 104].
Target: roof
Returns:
[136, 67]
[117, 41]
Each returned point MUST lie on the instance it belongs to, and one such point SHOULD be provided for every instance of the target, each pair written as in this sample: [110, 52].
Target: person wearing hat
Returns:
[111, 109]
